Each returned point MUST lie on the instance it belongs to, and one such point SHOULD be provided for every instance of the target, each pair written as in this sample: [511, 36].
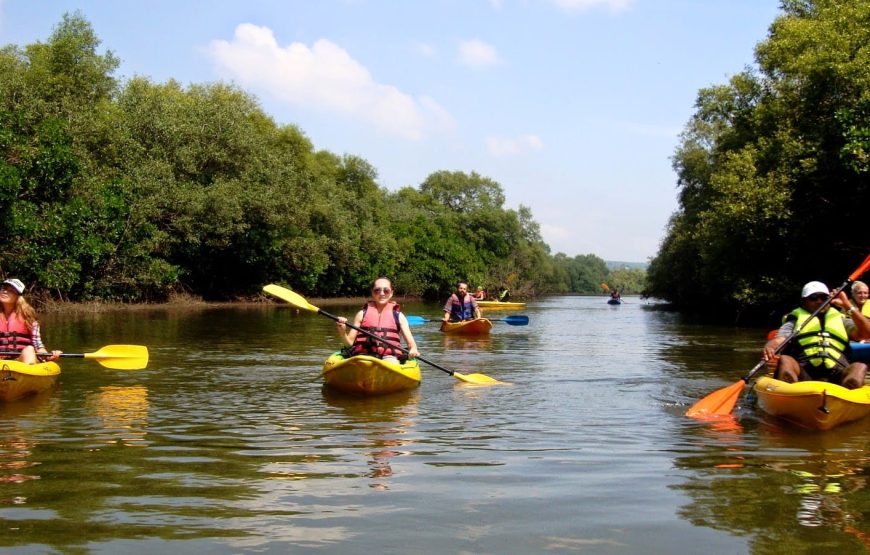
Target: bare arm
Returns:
[405, 329]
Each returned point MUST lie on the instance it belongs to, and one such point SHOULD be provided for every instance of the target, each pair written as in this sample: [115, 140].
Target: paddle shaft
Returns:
[41, 355]
[384, 341]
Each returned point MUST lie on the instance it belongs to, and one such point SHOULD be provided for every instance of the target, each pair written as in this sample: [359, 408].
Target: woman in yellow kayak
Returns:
[383, 318]
[20, 338]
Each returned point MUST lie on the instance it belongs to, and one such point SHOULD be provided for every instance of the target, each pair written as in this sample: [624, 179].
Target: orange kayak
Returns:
[479, 326]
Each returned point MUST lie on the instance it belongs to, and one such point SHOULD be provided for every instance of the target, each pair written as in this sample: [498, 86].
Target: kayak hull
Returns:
[367, 375]
[812, 404]
[498, 305]
[480, 326]
[19, 380]
[614, 301]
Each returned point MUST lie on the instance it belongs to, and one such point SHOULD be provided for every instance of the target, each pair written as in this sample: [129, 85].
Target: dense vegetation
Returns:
[132, 191]
[773, 171]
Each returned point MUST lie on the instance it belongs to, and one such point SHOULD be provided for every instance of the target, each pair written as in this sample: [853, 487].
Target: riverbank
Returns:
[193, 303]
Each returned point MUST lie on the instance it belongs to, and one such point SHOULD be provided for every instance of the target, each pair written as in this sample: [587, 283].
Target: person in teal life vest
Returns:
[820, 351]
[382, 317]
[461, 306]
[20, 338]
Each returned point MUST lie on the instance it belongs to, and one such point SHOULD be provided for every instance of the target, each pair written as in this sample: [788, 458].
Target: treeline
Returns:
[773, 171]
[132, 191]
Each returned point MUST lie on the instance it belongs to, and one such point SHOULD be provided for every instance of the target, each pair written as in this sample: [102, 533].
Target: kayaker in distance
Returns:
[615, 295]
[461, 306]
[383, 318]
[480, 294]
[503, 294]
[20, 338]
[819, 351]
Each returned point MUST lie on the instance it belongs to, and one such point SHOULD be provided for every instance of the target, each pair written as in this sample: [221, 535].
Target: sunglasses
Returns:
[384, 290]
[817, 297]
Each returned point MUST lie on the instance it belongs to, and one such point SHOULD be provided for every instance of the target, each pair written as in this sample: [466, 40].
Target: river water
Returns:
[227, 443]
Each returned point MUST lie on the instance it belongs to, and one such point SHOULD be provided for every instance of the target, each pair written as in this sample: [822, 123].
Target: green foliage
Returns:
[772, 170]
[130, 191]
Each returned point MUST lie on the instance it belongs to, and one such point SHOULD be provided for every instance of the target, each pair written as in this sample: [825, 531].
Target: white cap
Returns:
[814, 287]
[16, 284]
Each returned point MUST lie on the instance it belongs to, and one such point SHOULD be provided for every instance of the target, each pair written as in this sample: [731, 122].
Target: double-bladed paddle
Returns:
[515, 320]
[721, 402]
[299, 301]
[118, 357]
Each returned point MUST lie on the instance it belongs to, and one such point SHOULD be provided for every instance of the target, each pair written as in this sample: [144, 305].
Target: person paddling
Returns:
[20, 338]
[461, 306]
[381, 317]
[820, 350]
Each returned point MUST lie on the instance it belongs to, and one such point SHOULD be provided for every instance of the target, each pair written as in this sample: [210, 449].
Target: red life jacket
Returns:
[14, 335]
[384, 324]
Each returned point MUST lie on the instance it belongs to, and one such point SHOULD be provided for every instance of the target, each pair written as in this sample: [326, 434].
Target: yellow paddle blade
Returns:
[718, 403]
[476, 379]
[121, 357]
[289, 296]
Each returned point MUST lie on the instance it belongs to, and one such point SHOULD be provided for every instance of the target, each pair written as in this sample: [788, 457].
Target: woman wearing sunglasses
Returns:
[382, 317]
[819, 350]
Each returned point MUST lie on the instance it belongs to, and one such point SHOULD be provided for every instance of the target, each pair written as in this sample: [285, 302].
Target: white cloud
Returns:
[476, 53]
[426, 50]
[323, 77]
[500, 147]
[581, 5]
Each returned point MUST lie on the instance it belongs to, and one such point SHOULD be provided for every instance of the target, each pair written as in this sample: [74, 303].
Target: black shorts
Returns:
[821, 373]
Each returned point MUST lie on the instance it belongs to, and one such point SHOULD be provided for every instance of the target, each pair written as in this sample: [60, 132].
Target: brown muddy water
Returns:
[228, 443]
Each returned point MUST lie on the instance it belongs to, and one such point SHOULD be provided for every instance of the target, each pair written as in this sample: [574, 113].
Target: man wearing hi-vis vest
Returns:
[820, 351]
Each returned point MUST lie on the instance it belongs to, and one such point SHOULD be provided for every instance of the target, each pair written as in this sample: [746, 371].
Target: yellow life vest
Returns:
[821, 344]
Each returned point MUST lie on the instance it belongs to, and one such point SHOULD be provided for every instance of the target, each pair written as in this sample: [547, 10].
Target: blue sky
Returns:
[573, 106]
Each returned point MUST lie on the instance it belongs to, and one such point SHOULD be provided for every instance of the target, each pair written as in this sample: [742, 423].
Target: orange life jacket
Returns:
[384, 324]
[14, 335]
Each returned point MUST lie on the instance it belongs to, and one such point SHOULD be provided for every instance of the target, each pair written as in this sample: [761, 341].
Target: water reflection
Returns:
[466, 343]
[776, 483]
[385, 423]
[20, 422]
[123, 412]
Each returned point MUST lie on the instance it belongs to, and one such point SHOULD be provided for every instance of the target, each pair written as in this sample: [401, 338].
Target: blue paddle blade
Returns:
[515, 320]
[416, 320]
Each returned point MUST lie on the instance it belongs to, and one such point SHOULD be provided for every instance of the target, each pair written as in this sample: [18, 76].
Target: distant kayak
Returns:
[18, 380]
[499, 305]
[479, 326]
[369, 375]
[614, 301]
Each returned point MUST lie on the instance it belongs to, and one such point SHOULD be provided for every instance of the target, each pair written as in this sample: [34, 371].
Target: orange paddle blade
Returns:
[718, 403]
[861, 269]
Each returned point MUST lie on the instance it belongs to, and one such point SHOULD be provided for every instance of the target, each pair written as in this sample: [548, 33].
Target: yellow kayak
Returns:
[498, 305]
[370, 375]
[18, 379]
[816, 405]
[479, 326]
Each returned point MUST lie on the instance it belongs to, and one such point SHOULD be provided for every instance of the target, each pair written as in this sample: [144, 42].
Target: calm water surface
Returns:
[227, 443]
